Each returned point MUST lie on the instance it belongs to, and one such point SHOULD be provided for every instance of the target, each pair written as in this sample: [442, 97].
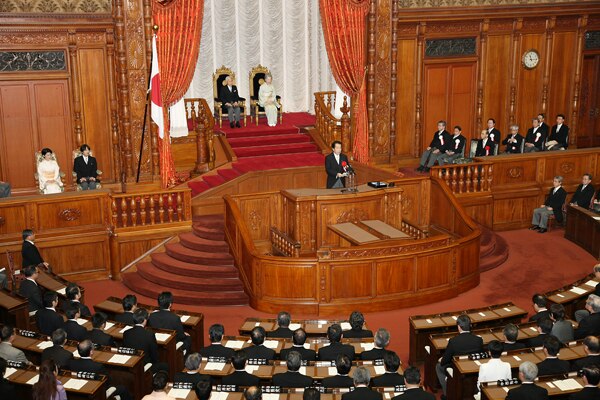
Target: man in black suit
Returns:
[436, 147]
[485, 147]
[454, 148]
[283, 330]
[30, 289]
[381, 341]
[591, 379]
[361, 391]
[97, 334]
[299, 338]
[86, 168]
[47, 319]
[336, 166]
[357, 323]
[494, 134]
[72, 327]
[391, 378]
[527, 390]
[511, 333]
[85, 363]
[228, 95]
[539, 305]
[29, 251]
[590, 325]
[253, 393]
[258, 350]
[73, 293]
[413, 391]
[559, 135]
[536, 136]
[330, 352]
[216, 349]
[311, 394]
[140, 338]
[6, 388]
[343, 365]
[553, 206]
[552, 365]
[513, 141]
[584, 193]
[591, 346]
[292, 378]
[240, 377]
[544, 327]
[164, 318]
[192, 374]
[541, 117]
[463, 343]
[129, 303]
[57, 352]
[203, 388]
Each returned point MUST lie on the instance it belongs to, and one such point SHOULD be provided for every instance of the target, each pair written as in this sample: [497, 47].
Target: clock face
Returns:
[531, 59]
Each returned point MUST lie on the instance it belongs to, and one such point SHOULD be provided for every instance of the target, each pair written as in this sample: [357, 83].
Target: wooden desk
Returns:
[368, 231]
[14, 310]
[491, 390]
[312, 327]
[50, 281]
[583, 228]
[573, 296]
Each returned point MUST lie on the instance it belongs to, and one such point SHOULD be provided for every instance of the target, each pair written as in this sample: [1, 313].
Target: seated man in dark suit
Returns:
[85, 363]
[343, 365]
[536, 136]
[591, 346]
[539, 305]
[6, 388]
[463, 343]
[47, 319]
[361, 391]
[559, 135]
[581, 314]
[511, 333]
[455, 147]
[97, 334]
[231, 100]
[216, 349]
[30, 289]
[57, 352]
[192, 373]
[292, 378]
[129, 303]
[330, 352]
[29, 251]
[357, 321]
[544, 327]
[552, 206]
[86, 168]
[283, 330]
[381, 341]
[528, 390]
[513, 140]
[299, 338]
[253, 393]
[590, 325]
[72, 327]
[591, 379]
[240, 377]
[311, 394]
[140, 338]
[485, 147]
[551, 364]
[203, 388]
[584, 193]
[414, 391]
[436, 147]
[391, 378]
[73, 293]
[493, 134]
[259, 350]
[164, 318]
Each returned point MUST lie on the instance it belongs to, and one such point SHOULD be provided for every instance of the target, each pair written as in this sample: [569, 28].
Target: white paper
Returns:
[119, 359]
[184, 318]
[331, 371]
[550, 385]
[379, 369]
[517, 358]
[271, 344]
[302, 370]
[128, 327]
[214, 366]
[346, 326]
[506, 309]
[234, 344]
[81, 321]
[219, 395]
[477, 363]
[108, 325]
[454, 317]
[76, 354]
[533, 328]
[45, 344]
[592, 283]
[162, 337]
[306, 346]
[251, 368]
[9, 371]
[568, 384]
[506, 389]
[257, 324]
[33, 380]
[319, 326]
[559, 295]
[578, 290]
[367, 346]
[74, 384]
[179, 393]
[482, 314]
[270, 396]
[429, 321]
[428, 349]
[293, 327]
[62, 291]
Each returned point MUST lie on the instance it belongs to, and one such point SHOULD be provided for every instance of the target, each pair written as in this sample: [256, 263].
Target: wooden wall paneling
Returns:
[513, 210]
[85, 256]
[405, 97]
[496, 93]
[523, 172]
[483, 48]
[529, 89]
[419, 124]
[396, 276]
[393, 80]
[276, 280]
[588, 116]
[433, 271]
[361, 286]
[561, 81]
[371, 57]
[462, 97]
[437, 81]
[82, 213]
[577, 87]
[547, 61]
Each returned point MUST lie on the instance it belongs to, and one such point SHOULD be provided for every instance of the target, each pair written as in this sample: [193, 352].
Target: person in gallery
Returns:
[534, 141]
[559, 135]
[49, 173]
[436, 147]
[513, 141]
[485, 147]
[552, 206]
[231, 99]
[493, 134]
[268, 100]
[455, 147]
[86, 168]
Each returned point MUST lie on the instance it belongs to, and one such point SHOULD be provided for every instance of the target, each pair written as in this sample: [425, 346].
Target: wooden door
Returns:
[588, 124]
[449, 95]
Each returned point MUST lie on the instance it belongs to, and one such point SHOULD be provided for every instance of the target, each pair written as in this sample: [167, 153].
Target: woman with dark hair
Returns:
[49, 173]
[48, 387]
[6, 388]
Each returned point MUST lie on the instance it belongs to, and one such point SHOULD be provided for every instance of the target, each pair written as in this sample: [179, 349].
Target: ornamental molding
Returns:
[69, 214]
[56, 6]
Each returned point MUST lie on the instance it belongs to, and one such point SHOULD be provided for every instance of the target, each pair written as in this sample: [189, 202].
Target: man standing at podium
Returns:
[334, 165]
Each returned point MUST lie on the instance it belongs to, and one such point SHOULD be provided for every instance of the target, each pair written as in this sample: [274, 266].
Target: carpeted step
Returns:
[278, 149]
[182, 253]
[212, 220]
[494, 252]
[213, 180]
[228, 173]
[177, 267]
[151, 273]
[268, 140]
[207, 232]
[252, 131]
[209, 298]
[196, 242]
[198, 187]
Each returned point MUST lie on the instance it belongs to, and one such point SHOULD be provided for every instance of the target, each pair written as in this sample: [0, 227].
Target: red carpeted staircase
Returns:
[493, 249]
[198, 270]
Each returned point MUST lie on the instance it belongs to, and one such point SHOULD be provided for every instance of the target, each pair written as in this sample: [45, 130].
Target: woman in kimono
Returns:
[49, 173]
[268, 101]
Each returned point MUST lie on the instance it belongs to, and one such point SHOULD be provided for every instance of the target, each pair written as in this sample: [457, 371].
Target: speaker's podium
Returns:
[330, 251]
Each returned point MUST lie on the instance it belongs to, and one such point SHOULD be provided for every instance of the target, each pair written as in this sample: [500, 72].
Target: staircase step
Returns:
[265, 131]
[268, 140]
[195, 242]
[151, 273]
[178, 267]
[277, 149]
[198, 187]
[207, 232]
[213, 180]
[182, 253]
[228, 173]
[210, 220]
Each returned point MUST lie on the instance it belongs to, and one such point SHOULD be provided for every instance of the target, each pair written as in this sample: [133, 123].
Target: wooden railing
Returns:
[203, 122]
[328, 126]
[466, 178]
[283, 245]
[413, 231]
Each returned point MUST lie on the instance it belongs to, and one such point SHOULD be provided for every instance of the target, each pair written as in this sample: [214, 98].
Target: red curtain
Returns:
[344, 28]
[178, 43]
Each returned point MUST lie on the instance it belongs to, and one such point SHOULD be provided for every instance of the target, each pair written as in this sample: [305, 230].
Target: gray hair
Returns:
[559, 178]
[514, 126]
[293, 361]
[192, 363]
[283, 319]
[597, 267]
[529, 371]
[382, 338]
[594, 302]
[361, 376]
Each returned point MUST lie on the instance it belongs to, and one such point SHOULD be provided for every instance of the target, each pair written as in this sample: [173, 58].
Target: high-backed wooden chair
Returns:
[77, 153]
[219, 107]
[11, 272]
[257, 78]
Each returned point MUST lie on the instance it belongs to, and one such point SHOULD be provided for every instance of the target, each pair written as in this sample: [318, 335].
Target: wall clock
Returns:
[531, 59]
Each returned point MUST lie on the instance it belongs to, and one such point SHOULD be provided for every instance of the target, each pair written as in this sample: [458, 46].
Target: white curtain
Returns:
[282, 35]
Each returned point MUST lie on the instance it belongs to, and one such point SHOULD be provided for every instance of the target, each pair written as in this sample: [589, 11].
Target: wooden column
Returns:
[581, 28]
[114, 108]
[393, 81]
[550, 22]
[419, 88]
[514, 72]
[482, 61]
[75, 88]
[150, 133]
[371, 73]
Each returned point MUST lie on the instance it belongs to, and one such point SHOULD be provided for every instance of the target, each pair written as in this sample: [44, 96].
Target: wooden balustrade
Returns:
[466, 178]
[328, 126]
[283, 245]
[413, 231]
[202, 122]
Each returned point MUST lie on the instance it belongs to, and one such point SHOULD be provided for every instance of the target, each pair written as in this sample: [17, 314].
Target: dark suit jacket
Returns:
[352, 334]
[165, 319]
[375, 354]
[541, 314]
[307, 354]
[338, 381]
[190, 378]
[527, 391]
[388, 379]
[513, 147]
[75, 331]
[31, 255]
[530, 138]
[513, 346]
[415, 394]
[480, 151]
[140, 338]
[282, 333]
[84, 311]
[456, 148]
[240, 378]
[556, 201]
[125, 318]
[561, 137]
[87, 365]
[229, 96]
[7, 389]
[97, 336]
[292, 380]
[584, 362]
[260, 352]
[544, 127]
[33, 293]
[333, 168]
[583, 198]
[60, 356]
[48, 321]
[553, 366]
[436, 143]
[537, 341]
[329, 353]
[587, 393]
[217, 350]
[362, 393]
[461, 344]
[590, 325]
[497, 136]
[84, 170]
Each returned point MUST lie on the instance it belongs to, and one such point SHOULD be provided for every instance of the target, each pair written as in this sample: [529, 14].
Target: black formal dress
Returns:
[332, 167]
[589, 326]
[260, 352]
[357, 334]
[362, 393]
[527, 391]
[562, 136]
[290, 379]
[338, 381]
[389, 379]
[414, 394]
[84, 311]
[281, 333]
[513, 148]
[306, 354]
[585, 361]
[461, 344]
[101, 338]
[240, 378]
[125, 318]
[140, 338]
[587, 393]
[30, 253]
[217, 350]
[553, 366]
[375, 354]
[61, 356]
[486, 149]
[48, 321]
[33, 293]
[165, 319]
[537, 142]
[85, 170]
[583, 197]
[541, 314]
[329, 353]
[75, 331]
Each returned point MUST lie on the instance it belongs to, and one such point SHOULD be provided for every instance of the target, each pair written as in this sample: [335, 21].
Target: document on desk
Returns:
[9, 371]
[119, 359]
[379, 369]
[75, 384]
[293, 327]
[270, 396]
[62, 291]
[578, 290]
[81, 321]
[33, 380]
[214, 366]
[180, 393]
[367, 346]
[108, 325]
[592, 283]
[218, 395]
[331, 371]
[568, 384]
[184, 318]
[271, 344]
[45, 344]
[234, 344]
[251, 368]
[125, 329]
[346, 326]
[162, 337]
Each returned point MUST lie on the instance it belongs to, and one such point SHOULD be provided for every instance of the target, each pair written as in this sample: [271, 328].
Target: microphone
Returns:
[344, 166]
